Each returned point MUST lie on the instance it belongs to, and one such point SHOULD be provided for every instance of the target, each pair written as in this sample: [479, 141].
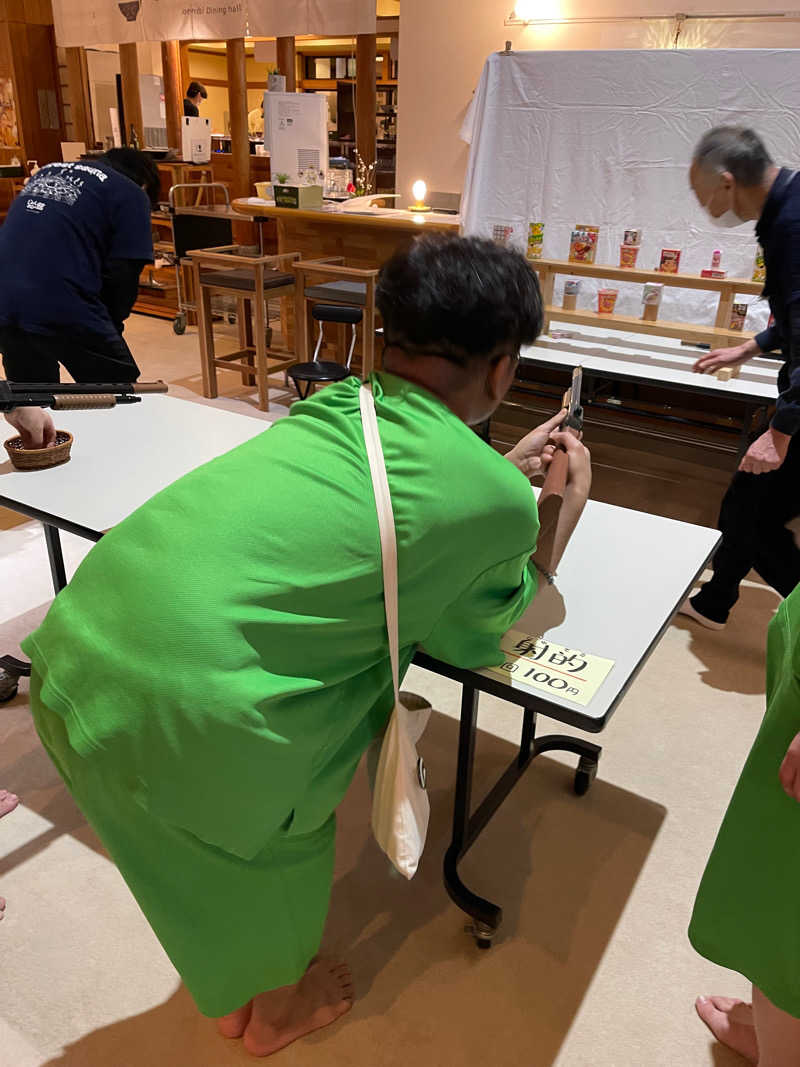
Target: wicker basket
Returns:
[39, 459]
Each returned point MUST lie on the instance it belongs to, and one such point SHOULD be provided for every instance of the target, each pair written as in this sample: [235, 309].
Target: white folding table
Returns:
[617, 356]
[621, 580]
[120, 458]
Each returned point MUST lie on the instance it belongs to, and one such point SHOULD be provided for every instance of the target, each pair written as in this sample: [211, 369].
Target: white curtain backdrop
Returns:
[605, 138]
[93, 22]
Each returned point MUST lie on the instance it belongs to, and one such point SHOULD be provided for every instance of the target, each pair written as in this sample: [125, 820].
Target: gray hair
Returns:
[735, 149]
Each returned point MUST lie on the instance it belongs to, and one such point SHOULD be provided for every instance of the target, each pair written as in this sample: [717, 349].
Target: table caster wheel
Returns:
[584, 776]
[483, 934]
[231, 317]
[179, 324]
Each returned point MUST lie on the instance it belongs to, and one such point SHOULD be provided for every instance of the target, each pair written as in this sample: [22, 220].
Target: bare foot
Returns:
[725, 1023]
[235, 1024]
[323, 995]
[8, 801]
[2, 907]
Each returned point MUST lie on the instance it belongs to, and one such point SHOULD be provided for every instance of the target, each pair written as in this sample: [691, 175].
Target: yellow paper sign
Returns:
[554, 669]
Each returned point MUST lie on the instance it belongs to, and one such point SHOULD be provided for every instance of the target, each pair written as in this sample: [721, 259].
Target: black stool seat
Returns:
[346, 292]
[244, 279]
[336, 313]
[315, 372]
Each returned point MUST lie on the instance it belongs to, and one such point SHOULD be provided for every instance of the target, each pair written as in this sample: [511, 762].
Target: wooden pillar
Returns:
[287, 62]
[186, 74]
[240, 143]
[80, 100]
[131, 94]
[366, 98]
[173, 91]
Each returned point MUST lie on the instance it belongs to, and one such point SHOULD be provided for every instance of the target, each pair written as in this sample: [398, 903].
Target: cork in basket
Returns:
[39, 459]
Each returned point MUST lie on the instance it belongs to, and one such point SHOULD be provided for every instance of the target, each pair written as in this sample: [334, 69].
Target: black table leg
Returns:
[56, 557]
[467, 827]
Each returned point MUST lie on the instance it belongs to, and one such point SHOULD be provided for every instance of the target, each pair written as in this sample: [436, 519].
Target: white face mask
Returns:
[724, 221]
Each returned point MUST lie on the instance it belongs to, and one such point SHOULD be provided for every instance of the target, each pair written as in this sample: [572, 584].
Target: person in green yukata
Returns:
[208, 682]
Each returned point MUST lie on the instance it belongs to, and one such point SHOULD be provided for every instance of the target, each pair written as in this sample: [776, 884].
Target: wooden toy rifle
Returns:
[73, 397]
[552, 494]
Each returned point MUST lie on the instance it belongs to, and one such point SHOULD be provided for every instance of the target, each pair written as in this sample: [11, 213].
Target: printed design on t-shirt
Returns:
[48, 185]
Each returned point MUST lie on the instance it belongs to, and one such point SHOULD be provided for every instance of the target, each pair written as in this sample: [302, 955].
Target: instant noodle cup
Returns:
[627, 255]
[606, 300]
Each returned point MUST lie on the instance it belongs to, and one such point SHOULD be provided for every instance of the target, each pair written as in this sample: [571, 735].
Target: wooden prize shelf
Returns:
[718, 335]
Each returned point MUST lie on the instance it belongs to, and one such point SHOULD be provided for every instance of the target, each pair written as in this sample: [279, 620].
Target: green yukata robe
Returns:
[211, 677]
[747, 913]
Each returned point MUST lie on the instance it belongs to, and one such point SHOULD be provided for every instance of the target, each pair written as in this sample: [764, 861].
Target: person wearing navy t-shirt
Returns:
[71, 252]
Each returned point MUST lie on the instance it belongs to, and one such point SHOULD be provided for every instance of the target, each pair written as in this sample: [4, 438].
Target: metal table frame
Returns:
[486, 917]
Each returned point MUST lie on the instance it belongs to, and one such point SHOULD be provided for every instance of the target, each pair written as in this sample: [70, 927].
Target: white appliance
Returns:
[296, 136]
[195, 139]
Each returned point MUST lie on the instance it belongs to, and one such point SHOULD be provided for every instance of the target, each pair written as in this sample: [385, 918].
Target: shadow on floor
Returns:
[735, 658]
[563, 868]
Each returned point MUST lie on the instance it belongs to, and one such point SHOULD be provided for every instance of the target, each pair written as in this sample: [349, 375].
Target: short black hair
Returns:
[195, 88]
[736, 149]
[137, 166]
[458, 297]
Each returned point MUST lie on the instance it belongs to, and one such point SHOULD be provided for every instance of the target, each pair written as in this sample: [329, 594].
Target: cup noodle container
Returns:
[571, 290]
[651, 299]
[606, 300]
[628, 255]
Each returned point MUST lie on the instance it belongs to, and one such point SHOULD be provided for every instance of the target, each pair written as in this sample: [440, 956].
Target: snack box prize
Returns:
[535, 239]
[738, 315]
[583, 244]
[670, 260]
[759, 270]
[632, 238]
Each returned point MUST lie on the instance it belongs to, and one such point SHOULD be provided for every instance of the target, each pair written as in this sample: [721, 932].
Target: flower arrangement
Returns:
[365, 176]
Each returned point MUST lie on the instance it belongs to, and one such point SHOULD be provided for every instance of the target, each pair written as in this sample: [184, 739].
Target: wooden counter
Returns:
[365, 241]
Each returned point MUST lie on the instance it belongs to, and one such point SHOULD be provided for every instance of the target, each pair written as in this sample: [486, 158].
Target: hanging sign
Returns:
[323, 18]
[93, 22]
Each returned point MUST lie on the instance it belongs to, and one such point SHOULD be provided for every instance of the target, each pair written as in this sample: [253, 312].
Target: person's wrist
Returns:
[779, 439]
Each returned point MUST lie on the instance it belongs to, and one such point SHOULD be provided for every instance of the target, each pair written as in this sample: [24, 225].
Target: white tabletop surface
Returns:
[122, 457]
[659, 360]
[621, 578]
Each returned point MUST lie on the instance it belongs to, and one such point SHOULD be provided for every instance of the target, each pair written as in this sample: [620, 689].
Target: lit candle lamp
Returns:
[419, 190]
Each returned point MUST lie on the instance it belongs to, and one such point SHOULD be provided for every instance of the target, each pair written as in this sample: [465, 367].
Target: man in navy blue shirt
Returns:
[736, 181]
[71, 251]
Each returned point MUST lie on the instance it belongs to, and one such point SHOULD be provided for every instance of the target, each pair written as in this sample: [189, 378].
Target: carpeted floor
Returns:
[593, 968]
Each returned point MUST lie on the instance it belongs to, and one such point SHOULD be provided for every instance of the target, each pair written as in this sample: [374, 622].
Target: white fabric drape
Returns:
[605, 138]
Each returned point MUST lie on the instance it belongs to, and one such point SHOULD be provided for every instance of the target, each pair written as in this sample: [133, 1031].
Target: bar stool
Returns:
[306, 375]
[248, 279]
[340, 286]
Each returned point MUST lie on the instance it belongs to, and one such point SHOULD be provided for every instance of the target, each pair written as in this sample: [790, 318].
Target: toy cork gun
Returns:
[552, 494]
[73, 397]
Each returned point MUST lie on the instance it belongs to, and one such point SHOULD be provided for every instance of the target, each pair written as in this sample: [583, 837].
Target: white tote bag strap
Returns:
[383, 504]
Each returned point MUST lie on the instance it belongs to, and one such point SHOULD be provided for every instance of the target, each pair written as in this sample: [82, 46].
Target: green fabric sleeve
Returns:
[468, 632]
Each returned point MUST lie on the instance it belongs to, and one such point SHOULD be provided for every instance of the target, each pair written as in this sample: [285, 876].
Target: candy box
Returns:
[670, 260]
[759, 270]
[632, 237]
[738, 315]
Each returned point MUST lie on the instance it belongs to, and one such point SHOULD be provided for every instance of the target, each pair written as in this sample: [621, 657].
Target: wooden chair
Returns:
[338, 285]
[251, 281]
